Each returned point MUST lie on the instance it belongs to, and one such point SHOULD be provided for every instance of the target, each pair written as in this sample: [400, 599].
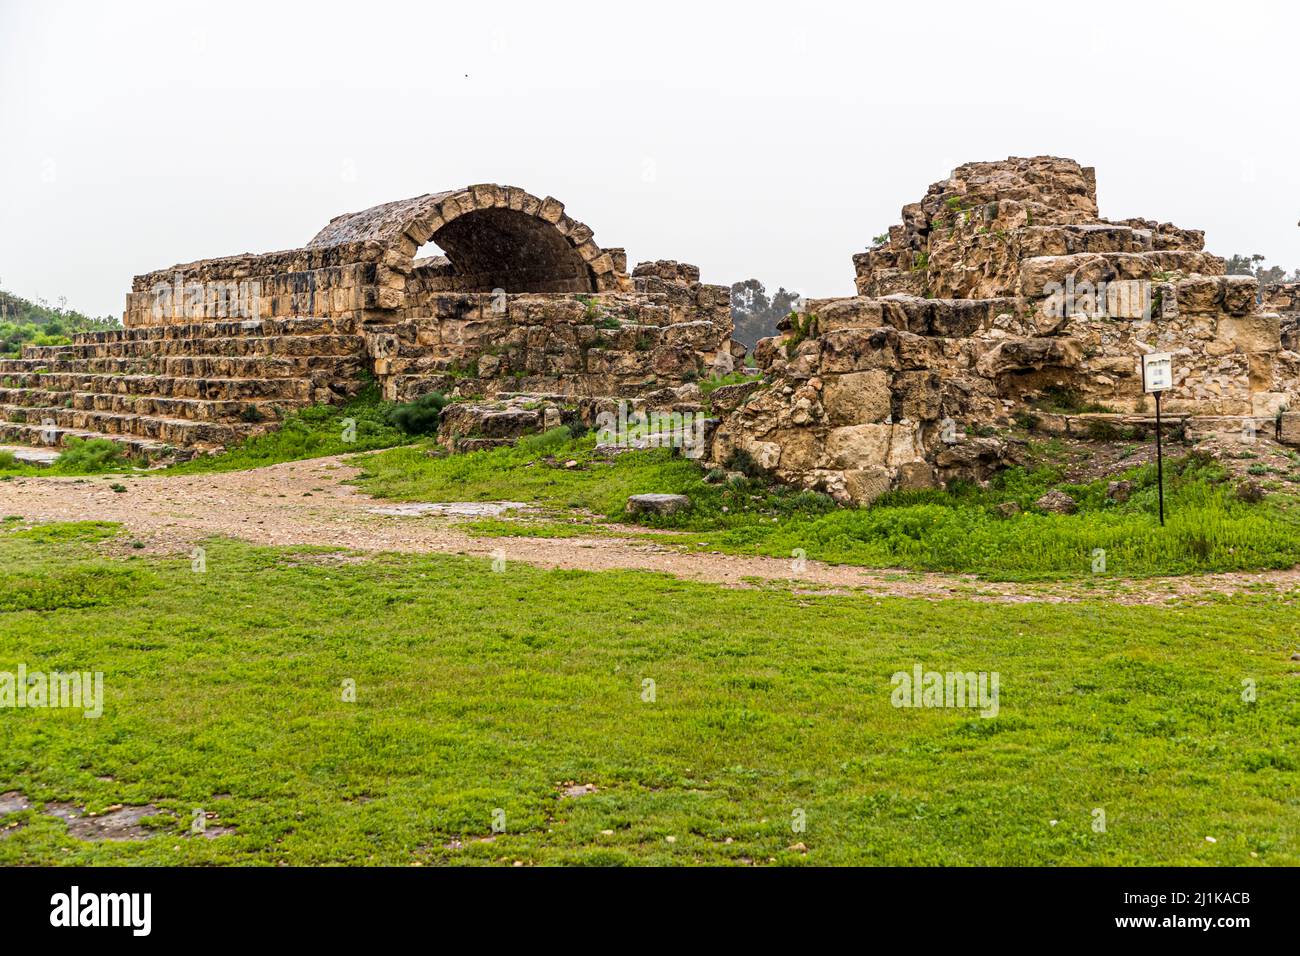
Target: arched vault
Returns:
[494, 237]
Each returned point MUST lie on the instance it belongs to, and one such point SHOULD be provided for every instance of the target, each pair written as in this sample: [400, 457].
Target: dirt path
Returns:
[306, 503]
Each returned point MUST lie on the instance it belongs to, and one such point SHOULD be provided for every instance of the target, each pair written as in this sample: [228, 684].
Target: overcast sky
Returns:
[767, 140]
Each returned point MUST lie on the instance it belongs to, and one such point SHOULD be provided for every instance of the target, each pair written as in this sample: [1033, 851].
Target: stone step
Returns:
[215, 389]
[303, 325]
[55, 437]
[277, 345]
[171, 431]
[192, 409]
[315, 367]
[34, 397]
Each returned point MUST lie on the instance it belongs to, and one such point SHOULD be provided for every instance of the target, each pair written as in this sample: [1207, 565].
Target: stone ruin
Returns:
[522, 300]
[1000, 287]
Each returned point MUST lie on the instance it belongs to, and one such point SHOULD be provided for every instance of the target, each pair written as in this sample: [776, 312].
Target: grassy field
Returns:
[481, 691]
[960, 530]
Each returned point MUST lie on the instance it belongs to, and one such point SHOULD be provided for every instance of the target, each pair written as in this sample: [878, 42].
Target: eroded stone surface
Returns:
[657, 504]
[455, 509]
[118, 822]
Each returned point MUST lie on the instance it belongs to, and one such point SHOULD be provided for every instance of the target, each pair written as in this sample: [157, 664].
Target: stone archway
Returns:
[494, 237]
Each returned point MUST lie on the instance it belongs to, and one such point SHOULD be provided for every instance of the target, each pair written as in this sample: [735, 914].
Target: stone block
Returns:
[857, 397]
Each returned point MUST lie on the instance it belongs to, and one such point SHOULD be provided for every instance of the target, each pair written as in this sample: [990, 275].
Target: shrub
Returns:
[421, 416]
[547, 441]
[91, 455]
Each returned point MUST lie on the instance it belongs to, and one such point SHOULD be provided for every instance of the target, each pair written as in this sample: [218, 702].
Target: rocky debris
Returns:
[1057, 502]
[1119, 491]
[1002, 291]
[657, 504]
[473, 426]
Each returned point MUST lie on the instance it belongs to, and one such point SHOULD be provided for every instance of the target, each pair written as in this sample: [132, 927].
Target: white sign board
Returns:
[1157, 372]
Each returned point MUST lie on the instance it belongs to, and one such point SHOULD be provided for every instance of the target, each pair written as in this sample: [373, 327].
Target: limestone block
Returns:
[1289, 428]
[1198, 294]
[852, 350]
[857, 397]
[855, 313]
[1239, 294]
[865, 485]
[1261, 332]
[916, 395]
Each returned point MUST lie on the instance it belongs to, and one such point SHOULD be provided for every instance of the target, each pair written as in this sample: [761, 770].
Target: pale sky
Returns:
[754, 139]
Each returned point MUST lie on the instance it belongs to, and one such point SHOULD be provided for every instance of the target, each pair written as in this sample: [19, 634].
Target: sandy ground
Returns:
[307, 503]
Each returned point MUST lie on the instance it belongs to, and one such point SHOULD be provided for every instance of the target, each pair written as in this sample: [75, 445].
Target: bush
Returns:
[548, 441]
[92, 455]
[421, 416]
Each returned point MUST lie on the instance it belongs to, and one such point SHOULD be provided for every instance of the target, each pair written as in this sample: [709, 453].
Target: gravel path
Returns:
[307, 503]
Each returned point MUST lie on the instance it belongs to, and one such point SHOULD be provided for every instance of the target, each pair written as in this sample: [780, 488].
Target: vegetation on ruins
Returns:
[479, 690]
[419, 417]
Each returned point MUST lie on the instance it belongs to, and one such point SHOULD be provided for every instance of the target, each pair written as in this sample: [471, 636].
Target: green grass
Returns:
[960, 530]
[479, 690]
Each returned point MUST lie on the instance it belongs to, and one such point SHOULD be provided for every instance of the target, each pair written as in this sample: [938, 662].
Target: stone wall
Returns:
[660, 333]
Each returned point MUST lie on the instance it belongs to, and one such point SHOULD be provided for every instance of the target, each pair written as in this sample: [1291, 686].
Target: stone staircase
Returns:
[178, 390]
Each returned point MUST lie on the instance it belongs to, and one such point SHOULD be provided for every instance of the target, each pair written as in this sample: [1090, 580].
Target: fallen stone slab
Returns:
[455, 509]
[657, 504]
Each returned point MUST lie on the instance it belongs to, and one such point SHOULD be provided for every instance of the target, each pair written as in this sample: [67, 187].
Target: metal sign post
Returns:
[1157, 377]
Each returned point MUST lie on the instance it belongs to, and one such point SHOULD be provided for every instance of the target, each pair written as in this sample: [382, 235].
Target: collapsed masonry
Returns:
[1003, 287]
[522, 299]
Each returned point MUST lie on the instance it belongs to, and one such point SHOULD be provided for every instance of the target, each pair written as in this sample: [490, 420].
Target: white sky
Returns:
[754, 139]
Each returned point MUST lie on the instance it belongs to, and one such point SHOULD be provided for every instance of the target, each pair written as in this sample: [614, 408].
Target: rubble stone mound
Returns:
[1003, 298]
